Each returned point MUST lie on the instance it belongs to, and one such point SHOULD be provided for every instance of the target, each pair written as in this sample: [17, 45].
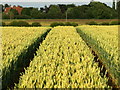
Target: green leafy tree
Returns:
[101, 11]
[35, 13]
[79, 12]
[14, 11]
[11, 15]
[70, 13]
[26, 11]
[5, 16]
[70, 6]
[6, 5]
[118, 5]
[118, 9]
[63, 7]
[54, 12]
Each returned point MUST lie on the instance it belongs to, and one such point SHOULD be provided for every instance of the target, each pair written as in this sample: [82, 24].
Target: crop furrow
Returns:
[12, 72]
[104, 71]
[63, 61]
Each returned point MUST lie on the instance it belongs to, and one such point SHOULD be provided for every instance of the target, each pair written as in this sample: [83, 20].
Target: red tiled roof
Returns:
[19, 9]
[7, 9]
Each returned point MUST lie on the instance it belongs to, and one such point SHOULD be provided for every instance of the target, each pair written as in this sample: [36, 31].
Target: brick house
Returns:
[18, 8]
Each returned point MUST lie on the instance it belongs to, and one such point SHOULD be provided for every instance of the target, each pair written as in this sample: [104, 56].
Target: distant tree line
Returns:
[94, 10]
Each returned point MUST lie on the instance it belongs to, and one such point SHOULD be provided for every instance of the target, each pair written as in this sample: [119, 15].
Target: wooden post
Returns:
[66, 16]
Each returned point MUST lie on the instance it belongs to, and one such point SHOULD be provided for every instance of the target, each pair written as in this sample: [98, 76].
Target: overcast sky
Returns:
[53, 0]
[38, 3]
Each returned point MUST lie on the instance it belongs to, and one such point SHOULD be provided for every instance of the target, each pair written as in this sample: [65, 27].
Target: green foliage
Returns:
[26, 11]
[36, 24]
[92, 23]
[104, 23]
[5, 16]
[101, 11]
[118, 8]
[19, 23]
[13, 23]
[35, 13]
[79, 12]
[22, 17]
[94, 10]
[54, 12]
[3, 24]
[11, 15]
[71, 24]
[14, 11]
[56, 24]
[115, 23]
[63, 24]
[22, 23]
[6, 5]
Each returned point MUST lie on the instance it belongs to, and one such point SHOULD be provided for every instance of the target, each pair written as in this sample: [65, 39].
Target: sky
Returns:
[53, 0]
[38, 3]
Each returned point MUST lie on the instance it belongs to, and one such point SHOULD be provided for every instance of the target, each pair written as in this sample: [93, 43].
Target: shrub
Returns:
[114, 23]
[5, 16]
[19, 23]
[13, 23]
[71, 24]
[63, 24]
[57, 24]
[67, 24]
[74, 24]
[22, 17]
[92, 23]
[2, 24]
[23, 23]
[118, 22]
[36, 24]
[104, 23]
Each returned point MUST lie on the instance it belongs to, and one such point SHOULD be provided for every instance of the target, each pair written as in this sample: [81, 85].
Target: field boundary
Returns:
[103, 69]
[47, 22]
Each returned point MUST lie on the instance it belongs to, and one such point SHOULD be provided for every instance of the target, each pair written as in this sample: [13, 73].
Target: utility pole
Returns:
[66, 15]
[92, 0]
[113, 6]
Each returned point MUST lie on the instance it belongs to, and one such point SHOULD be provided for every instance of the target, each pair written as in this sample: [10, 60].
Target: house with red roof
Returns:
[18, 8]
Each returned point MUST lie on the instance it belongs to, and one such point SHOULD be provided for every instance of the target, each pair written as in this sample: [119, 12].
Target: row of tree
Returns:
[94, 10]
